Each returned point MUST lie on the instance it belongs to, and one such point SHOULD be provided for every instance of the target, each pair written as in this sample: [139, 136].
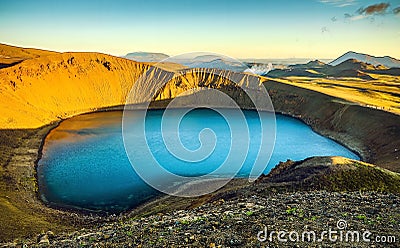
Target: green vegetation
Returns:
[363, 178]
[184, 222]
[361, 217]
[335, 174]
[291, 211]
[249, 213]
[19, 216]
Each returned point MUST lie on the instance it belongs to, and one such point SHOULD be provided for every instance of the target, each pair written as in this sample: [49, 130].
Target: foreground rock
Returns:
[332, 174]
[236, 223]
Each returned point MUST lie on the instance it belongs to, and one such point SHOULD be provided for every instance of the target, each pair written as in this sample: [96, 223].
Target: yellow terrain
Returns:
[382, 93]
[46, 86]
[11, 55]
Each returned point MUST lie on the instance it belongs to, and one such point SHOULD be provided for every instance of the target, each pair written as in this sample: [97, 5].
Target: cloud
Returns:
[396, 11]
[357, 17]
[347, 16]
[324, 30]
[334, 19]
[339, 3]
[374, 9]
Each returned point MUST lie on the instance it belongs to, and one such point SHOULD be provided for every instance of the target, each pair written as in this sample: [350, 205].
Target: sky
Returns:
[321, 29]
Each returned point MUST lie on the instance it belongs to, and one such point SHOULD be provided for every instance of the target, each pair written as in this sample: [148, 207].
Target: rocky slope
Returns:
[236, 222]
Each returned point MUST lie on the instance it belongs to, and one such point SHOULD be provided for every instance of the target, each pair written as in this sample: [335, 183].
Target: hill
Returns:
[353, 64]
[350, 68]
[350, 64]
[198, 60]
[146, 56]
[376, 61]
[40, 90]
[11, 55]
[310, 65]
[53, 87]
[332, 174]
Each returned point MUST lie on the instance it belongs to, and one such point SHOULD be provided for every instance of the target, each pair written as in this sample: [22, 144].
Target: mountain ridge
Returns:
[11, 55]
[146, 56]
[348, 68]
[386, 61]
[46, 89]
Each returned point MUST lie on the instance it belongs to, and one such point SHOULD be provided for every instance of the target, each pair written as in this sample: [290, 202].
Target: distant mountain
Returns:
[351, 73]
[348, 68]
[277, 73]
[206, 58]
[218, 64]
[259, 69]
[310, 65]
[314, 68]
[195, 60]
[354, 64]
[211, 61]
[386, 61]
[280, 62]
[146, 56]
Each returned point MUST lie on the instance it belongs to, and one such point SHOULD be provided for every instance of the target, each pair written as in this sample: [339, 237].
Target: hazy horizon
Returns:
[171, 55]
[312, 29]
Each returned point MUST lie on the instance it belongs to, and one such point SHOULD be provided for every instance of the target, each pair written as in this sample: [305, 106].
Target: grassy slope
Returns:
[332, 174]
[20, 214]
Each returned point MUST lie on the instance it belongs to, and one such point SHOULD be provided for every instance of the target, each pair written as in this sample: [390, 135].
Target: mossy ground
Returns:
[21, 214]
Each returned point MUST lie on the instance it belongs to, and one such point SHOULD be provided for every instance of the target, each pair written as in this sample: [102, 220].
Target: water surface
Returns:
[84, 164]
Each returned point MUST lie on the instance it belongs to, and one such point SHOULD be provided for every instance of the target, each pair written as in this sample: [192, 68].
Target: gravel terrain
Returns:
[236, 222]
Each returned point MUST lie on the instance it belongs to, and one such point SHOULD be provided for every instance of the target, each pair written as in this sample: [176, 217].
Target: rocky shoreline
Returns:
[359, 128]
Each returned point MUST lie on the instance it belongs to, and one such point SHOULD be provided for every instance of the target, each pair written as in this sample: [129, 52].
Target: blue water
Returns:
[84, 164]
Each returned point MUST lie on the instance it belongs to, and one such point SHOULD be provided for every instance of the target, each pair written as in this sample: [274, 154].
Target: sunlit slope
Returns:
[58, 85]
[382, 93]
[10, 55]
[38, 91]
